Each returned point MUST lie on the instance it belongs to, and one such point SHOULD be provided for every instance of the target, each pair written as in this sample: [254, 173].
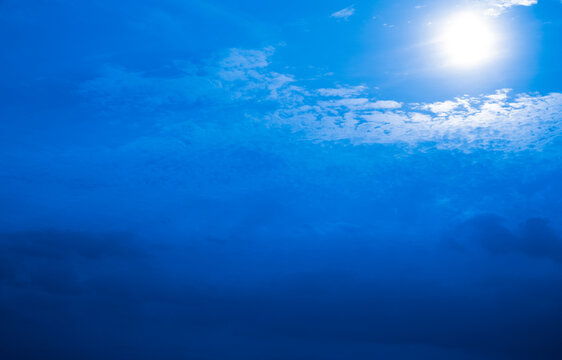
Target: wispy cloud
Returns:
[342, 91]
[344, 13]
[499, 121]
[496, 7]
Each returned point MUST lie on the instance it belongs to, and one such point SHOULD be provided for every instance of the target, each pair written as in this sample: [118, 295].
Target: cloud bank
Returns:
[500, 121]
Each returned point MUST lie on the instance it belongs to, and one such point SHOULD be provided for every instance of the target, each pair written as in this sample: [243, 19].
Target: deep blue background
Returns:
[177, 181]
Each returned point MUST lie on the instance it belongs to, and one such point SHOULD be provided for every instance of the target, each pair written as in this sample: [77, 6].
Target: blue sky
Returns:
[280, 180]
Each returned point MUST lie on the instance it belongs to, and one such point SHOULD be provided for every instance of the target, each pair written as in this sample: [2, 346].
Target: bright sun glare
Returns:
[468, 40]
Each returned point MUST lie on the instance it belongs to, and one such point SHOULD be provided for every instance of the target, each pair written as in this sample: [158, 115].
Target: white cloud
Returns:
[484, 122]
[342, 91]
[344, 13]
[496, 7]
[443, 107]
[494, 122]
[241, 74]
[240, 64]
[498, 121]
[386, 104]
[519, 2]
[248, 67]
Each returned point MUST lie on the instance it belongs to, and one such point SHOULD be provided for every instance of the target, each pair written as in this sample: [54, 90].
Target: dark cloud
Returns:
[76, 294]
[540, 240]
[55, 244]
[489, 232]
[534, 238]
[51, 260]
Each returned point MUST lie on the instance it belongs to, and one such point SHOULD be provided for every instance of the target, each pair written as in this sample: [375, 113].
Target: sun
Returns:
[467, 40]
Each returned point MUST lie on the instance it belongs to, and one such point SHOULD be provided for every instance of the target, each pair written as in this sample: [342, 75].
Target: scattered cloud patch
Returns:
[342, 91]
[240, 63]
[497, 7]
[386, 104]
[443, 107]
[344, 13]
[497, 121]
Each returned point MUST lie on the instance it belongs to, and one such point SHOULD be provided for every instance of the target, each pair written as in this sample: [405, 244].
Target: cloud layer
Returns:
[499, 121]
